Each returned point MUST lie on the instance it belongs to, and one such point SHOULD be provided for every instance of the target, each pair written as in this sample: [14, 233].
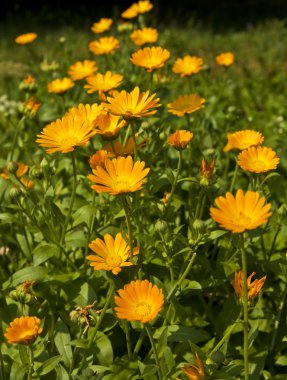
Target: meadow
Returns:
[143, 194]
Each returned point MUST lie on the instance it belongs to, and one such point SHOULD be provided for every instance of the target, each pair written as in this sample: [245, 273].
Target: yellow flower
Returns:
[180, 139]
[25, 39]
[225, 59]
[104, 45]
[87, 113]
[60, 85]
[100, 158]
[131, 12]
[23, 330]
[103, 82]
[207, 170]
[150, 58]
[194, 372]
[102, 26]
[63, 135]
[30, 106]
[258, 159]
[144, 6]
[186, 104]
[253, 287]
[118, 149]
[139, 300]
[19, 169]
[109, 125]
[243, 139]
[133, 104]
[242, 212]
[119, 176]
[82, 69]
[144, 36]
[187, 65]
[111, 254]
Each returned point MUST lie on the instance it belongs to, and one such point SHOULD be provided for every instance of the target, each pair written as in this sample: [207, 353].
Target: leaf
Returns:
[18, 371]
[147, 369]
[24, 355]
[44, 252]
[49, 365]
[8, 218]
[170, 176]
[216, 234]
[162, 342]
[23, 245]
[26, 274]
[83, 214]
[62, 374]
[62, 342]
[178, 333]
[103, 351]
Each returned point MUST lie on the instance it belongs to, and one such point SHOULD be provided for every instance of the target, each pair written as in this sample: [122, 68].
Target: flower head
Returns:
[243, 139]
[133, 104]
[139, 300]
[150, 58]
[109, 125]
[225, 59]
[180, 139]
[187, 65]
[254, 287]
[103, 82]
[87, 113]
[18, 168]
[186, 104]
[144, 6]
[30, 106]
[104, 45]
[26, 38]
[99, 158]
[242, 212]
[144, 36]
[111, 254]
[258, 159]
[82, 69]
[23, 330]
[102, 26]
[118, 149]
[207, 169]
[119, 176]
[60, 85]
[131, 12]
[194, 372]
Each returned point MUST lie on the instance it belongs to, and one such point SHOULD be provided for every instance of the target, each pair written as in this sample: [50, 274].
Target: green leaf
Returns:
[8, 218]
[216, 234]
[62, 342]
[170, 176]
[44, 252]
[24, 354]
[62, 373]
[83, 214]
[178, 333]
[23, 245]
[103, 352]
[49, 365]
[162, 342]
[18, 371]
[26, 274]
[147, 369]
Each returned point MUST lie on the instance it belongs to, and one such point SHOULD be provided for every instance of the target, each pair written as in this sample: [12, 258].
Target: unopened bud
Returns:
[36, 172]
[12, 167]
[15, 193]
[199, 226]
[160, 225]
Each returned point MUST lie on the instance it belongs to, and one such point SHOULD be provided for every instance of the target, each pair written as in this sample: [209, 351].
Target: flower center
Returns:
[114, 261]
[68, 141]
[122, 186]
[242, 220]
[143, 309]
[258, 165]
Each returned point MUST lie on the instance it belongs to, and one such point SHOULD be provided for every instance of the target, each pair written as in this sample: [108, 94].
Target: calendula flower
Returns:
[118, 149]
[28, 84]
[243, 139]
[64, 135]
[111, 254]
[225, 59]
[245, 211]
[103, 82]
[144, 6]
[133, 104]
[60, 85]
[258, 159]
[150, 58]
[180, 139]
[119, 176]
[30, 106]
[18, 168]
[144, 36]
[82, 69]
[99, 158]
[109, 125]
[26, 38]
[187, 65]
[102, 26]
[87, 113]
[194, 372]
[139, 300]
[207, 169]
[23, 330]
[104, 45]
[131, 12]
[186, 104]
[254, 287]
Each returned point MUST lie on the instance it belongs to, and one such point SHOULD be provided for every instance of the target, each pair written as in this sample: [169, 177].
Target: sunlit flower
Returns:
[187, 65]
[180, 139]
[139, 300]
[150, 58]
[26, 38]
[131, 12]
[194, 372]
[225, 59]
[120, 175]
[111, 254]
[258, 159]
[243, 139]
[82, 69]
[102, 26]
[103, 82]
[104, 45]
[186, 104]
[64, 135]
[144, 36]
[87, 113]
[242, 212]
[118, 149]
[144, 6]
[207, 169]
[23, 330]
[109, 125]
[60, 85]
[254, 287]
[133, 104]
[99, 158]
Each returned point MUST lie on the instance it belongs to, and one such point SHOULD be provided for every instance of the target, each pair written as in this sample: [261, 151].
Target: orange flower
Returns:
[30, 106]
[103, 82]
[242, 212]
[139, 300]
[60, 85]
[187, 65]
[87, 113]
[144, 6]
[109, 125]
[144, 36]
[25, 39]
[194, 372]
[18, 168]
[102, 26]
[180, 139]
[131, 12]
[225, 59]
[185, 104]
[82, 69]
[258, 159]
[207, 170]
[118, 149]
[243, 139]
[23, 330]
[150, 58]
[99, 158]
[104, 45]
[254, 287]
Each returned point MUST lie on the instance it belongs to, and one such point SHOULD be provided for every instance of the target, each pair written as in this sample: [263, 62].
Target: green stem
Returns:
[169, 257]
[134, 140]
[234, 177]
[21, 121]
[245, 306]
[90, 227]
[128, 339]
[274, 242]
[31, 362]
[198, 206]
[2, 373]
[129, 225]
[179, 165]
[278, 320]
[139, 344]
[152, 342]
[151, 81]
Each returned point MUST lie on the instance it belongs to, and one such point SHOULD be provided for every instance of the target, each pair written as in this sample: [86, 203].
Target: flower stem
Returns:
[31, 362]
[234, 177]
[139, 344]
[134, 140]
[245, 306]
[128, 339]
[152, 342]
[129, 225]
[179, 165]
[21, 121]
[2, 373]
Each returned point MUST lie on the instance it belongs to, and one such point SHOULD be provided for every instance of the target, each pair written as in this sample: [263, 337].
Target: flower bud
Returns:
[160, 225]
[36, 172]
[12, 167]
[282, 211]
[28, 84]
[199, 226]
[15, 193]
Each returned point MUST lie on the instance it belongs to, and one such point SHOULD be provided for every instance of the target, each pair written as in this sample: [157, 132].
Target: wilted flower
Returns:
[194, 372]
[23, 330]
[254, 287]
[23, 293]
[82, 316]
